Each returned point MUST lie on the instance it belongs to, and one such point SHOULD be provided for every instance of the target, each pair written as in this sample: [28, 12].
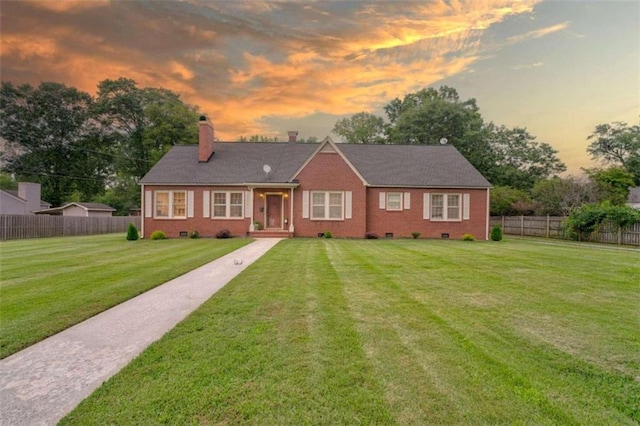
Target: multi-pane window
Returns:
[171, 204]
[437, 206]
[445, 206]
[327, 205]
[394, 200]
[228, 204]
[179, 204]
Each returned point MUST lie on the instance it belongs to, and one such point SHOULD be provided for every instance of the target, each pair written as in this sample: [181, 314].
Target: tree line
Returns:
[525, 172]
[85, 148]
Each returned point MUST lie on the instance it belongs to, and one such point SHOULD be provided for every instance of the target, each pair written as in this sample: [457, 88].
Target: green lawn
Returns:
[398, 332]
[49, 284]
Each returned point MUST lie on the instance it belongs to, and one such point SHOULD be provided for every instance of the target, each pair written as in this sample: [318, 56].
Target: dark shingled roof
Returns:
[232, 163]
[380, 165]
[413, 165]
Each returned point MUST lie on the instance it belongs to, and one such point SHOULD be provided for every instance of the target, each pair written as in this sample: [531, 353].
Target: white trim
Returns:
[227, 204]
[407, 201]
[305, 204]
[465, 206]
[445, 207]
[348, 205]
[400, 204]
[382, 200]
[327, 205]
[189, 204]
[426, 207]
[206, 203]
[248, 204]
[148, 204]
[170, 204]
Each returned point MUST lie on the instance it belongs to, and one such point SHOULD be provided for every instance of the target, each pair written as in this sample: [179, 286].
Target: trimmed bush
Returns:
[223, 233]
[371, 236]
[468, 237]
[328, 234]
[496, 233]
[132, 233]
[415, 234]
[194, 234]
[158, 235]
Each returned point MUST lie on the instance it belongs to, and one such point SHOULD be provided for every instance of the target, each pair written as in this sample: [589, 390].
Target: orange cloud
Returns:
[241, 65]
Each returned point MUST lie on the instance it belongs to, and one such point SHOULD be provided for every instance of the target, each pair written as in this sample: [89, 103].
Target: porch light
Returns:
[285, 195]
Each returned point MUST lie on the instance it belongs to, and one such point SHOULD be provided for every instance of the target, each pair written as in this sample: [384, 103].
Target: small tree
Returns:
[496, 233]
[132, 233]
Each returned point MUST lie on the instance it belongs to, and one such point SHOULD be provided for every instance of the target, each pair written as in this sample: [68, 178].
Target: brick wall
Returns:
[329, 172]
[402, 223]
[206, 226]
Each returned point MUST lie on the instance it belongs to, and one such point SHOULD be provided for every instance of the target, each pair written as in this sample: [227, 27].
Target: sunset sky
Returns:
[558, 68]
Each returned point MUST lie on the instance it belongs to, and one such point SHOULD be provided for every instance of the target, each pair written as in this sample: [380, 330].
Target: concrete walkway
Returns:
[43, 383]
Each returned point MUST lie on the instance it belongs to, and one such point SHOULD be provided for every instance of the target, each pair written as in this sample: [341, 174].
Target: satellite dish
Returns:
[443, 141]
[266, 168]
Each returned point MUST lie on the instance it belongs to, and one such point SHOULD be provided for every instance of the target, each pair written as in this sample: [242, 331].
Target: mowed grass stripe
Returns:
[396, 332]
[276, 346]
[51, 284]
[483, 347]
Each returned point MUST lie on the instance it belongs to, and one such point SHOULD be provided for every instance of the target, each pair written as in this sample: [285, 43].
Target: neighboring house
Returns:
[24, 201]
[634, 198]
[299, 189]
[80, 209]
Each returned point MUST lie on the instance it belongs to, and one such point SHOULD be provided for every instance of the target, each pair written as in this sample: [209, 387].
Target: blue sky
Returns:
[558, 68]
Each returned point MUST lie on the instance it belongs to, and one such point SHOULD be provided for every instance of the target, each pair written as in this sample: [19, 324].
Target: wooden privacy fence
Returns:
[14, 227]
[553, 227]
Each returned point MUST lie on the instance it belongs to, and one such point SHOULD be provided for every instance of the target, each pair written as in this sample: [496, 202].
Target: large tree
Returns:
[617, 144]
[362, 127]
[142, 123]
[55, 141]
[519, 160]
[507, 157]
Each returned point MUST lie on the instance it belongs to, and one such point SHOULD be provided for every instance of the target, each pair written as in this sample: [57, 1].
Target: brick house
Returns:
[305, 189]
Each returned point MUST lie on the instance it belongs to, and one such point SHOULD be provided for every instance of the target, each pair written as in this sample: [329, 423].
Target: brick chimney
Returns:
[205, 140]
[293, 136]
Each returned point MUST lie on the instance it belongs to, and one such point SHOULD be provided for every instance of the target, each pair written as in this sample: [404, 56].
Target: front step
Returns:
[271, 234]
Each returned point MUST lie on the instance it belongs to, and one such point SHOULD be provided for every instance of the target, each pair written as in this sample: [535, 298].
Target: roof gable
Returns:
[328, 146]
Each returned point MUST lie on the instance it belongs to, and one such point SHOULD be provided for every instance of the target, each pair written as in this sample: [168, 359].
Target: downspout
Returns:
[142, 210]
[488, 213]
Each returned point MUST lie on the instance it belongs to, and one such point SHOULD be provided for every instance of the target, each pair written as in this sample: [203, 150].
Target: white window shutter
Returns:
[248, 204]
[206, 203]
[189, 203]
[305, 204]
[407, 200]
[382, 201]
[465, 206]
[348, 205]
[426, 208]
[148, 204]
